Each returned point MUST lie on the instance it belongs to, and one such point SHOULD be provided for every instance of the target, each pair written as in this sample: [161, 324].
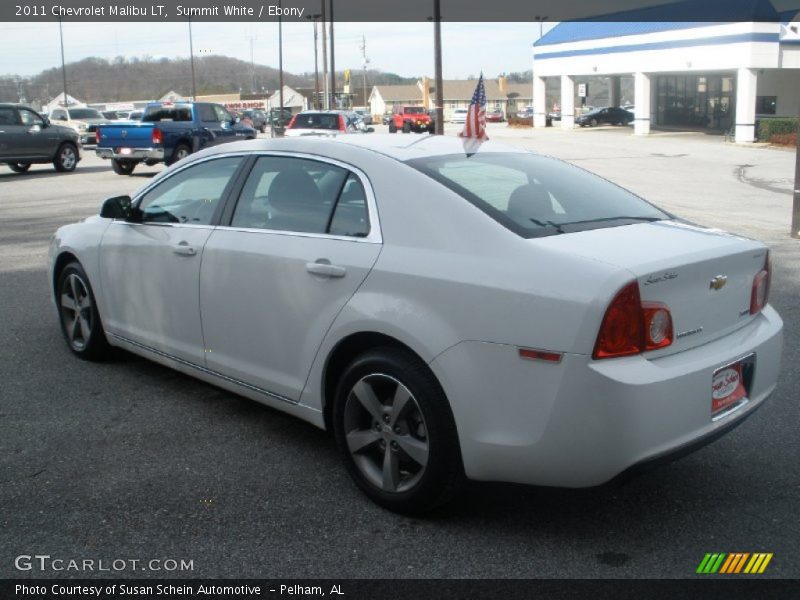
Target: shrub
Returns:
[778, 130]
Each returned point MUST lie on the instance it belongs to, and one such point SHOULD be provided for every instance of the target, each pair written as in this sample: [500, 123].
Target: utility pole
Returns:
[280, 69]
[252, 67]
[191, 60]
[437, 65]
[314, 18]
[326, 99]
[63, 64]
[333, 66]
[366, 61]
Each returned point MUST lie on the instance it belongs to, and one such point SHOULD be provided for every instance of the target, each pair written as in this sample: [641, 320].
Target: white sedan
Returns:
[491, 314]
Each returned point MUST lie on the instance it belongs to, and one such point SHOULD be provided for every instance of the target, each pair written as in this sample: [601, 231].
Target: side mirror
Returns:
[45, 122]
[237, 120]
[370, 129]
[117, 207]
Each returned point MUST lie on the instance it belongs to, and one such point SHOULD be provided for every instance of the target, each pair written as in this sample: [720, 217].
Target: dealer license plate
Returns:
[728, 388]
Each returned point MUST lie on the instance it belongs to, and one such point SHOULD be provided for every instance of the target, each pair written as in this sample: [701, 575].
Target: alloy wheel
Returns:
[76, 311]
[68, 158]
[386, 433]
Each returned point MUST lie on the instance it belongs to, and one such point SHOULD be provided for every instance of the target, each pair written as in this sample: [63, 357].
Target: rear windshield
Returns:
[414, 110]
[536, 196]
[154, 114]
[316, 121]
[84, 113]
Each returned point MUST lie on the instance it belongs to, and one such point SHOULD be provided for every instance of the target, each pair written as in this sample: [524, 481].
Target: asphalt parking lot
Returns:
[128, 459]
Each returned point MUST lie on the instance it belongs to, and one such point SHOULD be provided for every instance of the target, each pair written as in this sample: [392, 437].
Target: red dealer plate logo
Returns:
[727, 388]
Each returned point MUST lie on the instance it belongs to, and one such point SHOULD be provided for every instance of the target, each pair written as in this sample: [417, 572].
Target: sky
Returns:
[402, 48]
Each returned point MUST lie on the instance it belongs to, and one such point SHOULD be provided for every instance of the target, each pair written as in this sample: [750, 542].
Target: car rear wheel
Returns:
[77, 309]
[181, 151]
[396, 433]
[593, 122]
[122, 167]
[66, 158]
[21, 167]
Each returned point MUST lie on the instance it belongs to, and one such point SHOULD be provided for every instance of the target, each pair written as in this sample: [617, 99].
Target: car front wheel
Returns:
[21, 167]
[392, 127]
[77, 309]
[66, 158]
[396, 433]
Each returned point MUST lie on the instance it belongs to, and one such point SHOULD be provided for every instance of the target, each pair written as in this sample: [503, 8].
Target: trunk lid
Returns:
[705, 276]
[126, 135]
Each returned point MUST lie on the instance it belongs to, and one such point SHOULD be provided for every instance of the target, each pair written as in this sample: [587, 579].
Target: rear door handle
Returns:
[326, 269]
[184, 249]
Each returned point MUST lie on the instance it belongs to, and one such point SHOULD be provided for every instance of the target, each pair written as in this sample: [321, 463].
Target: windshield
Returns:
[153, 114]
[414, 110]
[316, 121]
[84, 113]
[535, 196]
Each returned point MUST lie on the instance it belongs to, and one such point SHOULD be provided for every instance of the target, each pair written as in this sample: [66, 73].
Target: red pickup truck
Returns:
[410, 118]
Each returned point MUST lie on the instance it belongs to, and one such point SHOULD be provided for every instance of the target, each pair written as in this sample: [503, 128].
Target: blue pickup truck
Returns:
[167, 133]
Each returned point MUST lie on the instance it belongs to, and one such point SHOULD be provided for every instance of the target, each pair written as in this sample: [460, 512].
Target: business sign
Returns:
[583, 90]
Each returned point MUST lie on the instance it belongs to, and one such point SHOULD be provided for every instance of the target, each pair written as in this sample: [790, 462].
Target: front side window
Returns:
[207, 114]
[29, 117]
[535, 196]
[191, 196]
[223, 116]
[304, 196]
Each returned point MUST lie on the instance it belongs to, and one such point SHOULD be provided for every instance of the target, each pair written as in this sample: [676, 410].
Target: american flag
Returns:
[475, 125]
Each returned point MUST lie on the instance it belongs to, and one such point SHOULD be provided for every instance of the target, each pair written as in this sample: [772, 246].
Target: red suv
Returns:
[410, 118]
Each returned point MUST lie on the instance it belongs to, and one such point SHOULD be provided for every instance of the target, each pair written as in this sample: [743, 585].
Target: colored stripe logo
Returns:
[734, 563]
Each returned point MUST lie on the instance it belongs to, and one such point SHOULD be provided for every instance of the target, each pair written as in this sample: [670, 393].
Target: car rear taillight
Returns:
[341, 123]
[291, 122]
[759, 296]
[631, 326]
[97, 134]
[158, 136]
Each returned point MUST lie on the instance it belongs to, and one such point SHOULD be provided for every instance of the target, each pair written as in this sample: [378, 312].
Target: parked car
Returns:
[459, 115]
[326, 122]
[257, 117]
[554, 115]
[84, 120]
[168, 132]
[365, 114]
[494, 115]
[387, 117]
[280, 117]
[410, 118]
[135, 115]
[525, 113]
[501, 315]
[609, 116]
[26, 137]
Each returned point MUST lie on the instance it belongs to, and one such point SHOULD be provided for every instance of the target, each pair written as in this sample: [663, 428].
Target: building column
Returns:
[746, 85]
[641, 94]
[567, 102]
[539, 102]
[614, 92]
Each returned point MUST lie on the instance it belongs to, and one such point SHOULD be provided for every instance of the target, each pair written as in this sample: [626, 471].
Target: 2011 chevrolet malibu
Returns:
[446, 311]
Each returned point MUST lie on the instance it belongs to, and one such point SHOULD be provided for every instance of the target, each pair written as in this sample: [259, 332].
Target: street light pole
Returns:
[63, 64]
[280, 68]
[325, 99]
[314, 18]
[191, 59]
[437, 65]
[796, 204]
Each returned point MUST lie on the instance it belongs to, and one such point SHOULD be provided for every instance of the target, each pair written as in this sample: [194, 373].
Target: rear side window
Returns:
[154, 114]
[536, 196]
[8, 116]
[304, 196]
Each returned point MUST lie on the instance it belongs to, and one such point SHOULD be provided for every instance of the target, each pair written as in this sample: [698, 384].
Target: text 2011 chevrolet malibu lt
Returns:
[492, 314]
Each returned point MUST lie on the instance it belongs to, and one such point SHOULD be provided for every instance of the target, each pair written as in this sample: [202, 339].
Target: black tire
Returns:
[21, 167]
[431, 128]
[181, 151]
[392, 127]
[406, 126]
[263, 129]
[425, 419]
[66, 158]
[123, 167]
[79, 319]
[593, 122]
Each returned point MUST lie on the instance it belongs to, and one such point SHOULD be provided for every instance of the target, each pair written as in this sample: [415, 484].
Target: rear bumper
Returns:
[134, 154]
[581, 422]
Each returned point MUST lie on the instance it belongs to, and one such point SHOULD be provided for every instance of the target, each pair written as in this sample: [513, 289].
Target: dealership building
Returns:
[692, 75]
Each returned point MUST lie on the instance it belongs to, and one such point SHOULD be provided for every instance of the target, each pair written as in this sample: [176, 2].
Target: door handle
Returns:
[326, 269]
[184, 249]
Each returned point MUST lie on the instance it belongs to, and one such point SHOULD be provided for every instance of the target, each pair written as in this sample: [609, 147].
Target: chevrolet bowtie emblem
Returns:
[718, 282]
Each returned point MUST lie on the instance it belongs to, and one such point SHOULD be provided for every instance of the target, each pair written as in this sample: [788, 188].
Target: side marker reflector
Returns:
[530, 354]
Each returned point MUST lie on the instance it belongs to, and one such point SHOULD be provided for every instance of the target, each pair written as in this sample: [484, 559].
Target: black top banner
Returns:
[395, 10]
